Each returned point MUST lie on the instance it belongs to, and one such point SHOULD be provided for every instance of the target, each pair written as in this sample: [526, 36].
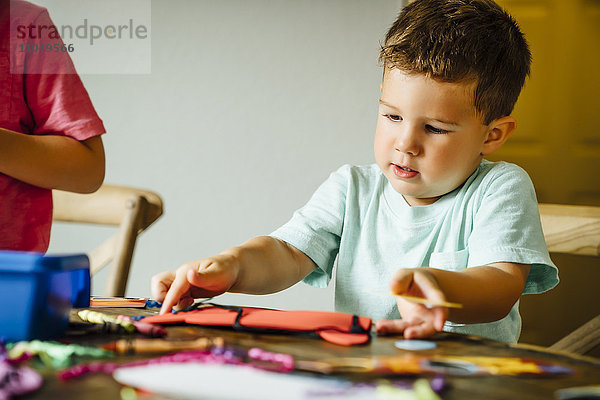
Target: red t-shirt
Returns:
[40, 94]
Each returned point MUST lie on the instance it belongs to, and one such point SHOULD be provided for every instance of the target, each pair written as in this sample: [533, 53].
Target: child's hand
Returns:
[418, 320]
[203, 278]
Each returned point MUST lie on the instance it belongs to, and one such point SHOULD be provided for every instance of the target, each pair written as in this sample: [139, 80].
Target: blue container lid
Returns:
[31, 262]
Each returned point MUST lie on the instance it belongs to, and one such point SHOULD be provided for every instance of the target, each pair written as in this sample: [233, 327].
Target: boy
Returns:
[49, 130]
[432, 218]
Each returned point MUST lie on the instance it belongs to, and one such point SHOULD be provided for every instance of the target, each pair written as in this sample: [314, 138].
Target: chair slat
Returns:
[132, 210]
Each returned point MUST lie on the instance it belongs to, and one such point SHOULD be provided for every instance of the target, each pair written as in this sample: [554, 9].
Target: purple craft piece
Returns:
[438, 384]
[256, 358]
[17, 380]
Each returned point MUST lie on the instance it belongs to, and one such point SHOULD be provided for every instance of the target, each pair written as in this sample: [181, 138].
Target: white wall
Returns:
[250, 105]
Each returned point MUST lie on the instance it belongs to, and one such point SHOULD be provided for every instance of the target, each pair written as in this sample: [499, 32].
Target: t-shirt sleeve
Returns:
[55, 94]
[507, 228]
[316, 228]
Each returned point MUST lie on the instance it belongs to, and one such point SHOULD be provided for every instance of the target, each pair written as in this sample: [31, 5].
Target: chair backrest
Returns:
[574, 229]
[571, 229]
[132, 210]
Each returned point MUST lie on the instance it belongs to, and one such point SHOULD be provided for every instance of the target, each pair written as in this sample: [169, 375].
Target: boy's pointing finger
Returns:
[178, 288]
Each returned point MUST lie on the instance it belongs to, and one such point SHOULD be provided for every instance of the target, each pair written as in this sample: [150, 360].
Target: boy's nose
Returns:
[407, 141]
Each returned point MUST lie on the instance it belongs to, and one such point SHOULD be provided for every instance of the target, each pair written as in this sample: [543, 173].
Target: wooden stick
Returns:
[419, 300]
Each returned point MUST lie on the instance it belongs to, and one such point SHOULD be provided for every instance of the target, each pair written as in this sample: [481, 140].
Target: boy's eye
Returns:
[394, 118]
[435, 130]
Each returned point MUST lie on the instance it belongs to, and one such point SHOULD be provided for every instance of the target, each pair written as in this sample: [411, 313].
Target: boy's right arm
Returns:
[262, 265]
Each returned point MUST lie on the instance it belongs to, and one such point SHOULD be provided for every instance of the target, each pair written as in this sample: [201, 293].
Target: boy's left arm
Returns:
[53, 161]
[487, 293]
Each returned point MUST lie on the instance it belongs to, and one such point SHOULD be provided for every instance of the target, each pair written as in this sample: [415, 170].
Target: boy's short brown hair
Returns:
[462, 41]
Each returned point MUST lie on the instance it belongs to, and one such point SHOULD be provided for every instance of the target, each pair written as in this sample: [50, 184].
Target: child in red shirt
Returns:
[49, 130]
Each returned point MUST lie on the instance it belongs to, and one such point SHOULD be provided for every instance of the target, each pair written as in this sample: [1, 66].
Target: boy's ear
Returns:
[499, 130]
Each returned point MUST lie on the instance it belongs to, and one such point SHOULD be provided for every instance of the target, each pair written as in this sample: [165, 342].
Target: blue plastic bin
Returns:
[37, 293]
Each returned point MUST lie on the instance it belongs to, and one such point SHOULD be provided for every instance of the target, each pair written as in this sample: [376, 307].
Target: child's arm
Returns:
[487, 294]
[52, 161]
[261, 265]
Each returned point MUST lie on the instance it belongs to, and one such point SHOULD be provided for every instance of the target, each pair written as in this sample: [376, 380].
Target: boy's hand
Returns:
[208, 277]
[418, 320]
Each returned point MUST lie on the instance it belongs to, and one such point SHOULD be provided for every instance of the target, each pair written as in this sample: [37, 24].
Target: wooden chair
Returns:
[574, 230]
[132, 210]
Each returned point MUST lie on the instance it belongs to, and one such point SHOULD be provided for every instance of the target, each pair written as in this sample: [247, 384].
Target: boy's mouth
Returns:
[406, 168]
[404, 172]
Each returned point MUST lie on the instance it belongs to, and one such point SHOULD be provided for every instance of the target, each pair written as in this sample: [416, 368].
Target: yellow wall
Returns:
[558, 136]
[558, 142]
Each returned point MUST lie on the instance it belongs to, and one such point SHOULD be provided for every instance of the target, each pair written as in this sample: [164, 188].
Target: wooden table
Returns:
[587, 370]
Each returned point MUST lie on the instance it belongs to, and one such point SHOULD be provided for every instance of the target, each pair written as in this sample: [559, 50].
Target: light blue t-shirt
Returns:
[358, 217]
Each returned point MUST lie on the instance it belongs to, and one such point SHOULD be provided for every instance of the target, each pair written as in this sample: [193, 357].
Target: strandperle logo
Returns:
[91, 32]
[99, 36]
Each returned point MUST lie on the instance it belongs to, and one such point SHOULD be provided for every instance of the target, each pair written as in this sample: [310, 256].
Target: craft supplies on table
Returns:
[415, 345]
[37, 293]
[126, 323]
[279, 363]
[145, 346]
[253, 358]
[55, 354]
[334, 327]
[128, 302]
[412, 364]
[16, 379]
[258, 374]
[226, 381]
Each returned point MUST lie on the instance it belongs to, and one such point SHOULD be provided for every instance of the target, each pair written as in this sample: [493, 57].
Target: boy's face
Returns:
[429, 138]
